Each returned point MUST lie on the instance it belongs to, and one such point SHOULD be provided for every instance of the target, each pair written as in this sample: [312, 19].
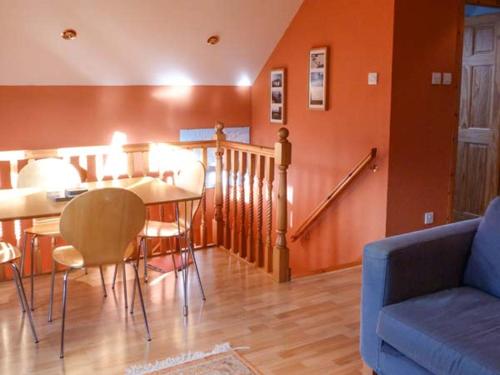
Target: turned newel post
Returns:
[218, 221]
[282, 155]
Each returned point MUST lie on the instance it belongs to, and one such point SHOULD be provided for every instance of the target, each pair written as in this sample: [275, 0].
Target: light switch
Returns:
[372, 79]
[447, 79]
[428, 218]
[436, 78]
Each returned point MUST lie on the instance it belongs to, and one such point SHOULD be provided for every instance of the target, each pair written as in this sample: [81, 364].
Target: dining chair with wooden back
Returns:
[48, 174]
[191, 177]
[99, 228]
[9, 255]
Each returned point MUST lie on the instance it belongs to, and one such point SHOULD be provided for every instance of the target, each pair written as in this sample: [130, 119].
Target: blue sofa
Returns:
[431, 300]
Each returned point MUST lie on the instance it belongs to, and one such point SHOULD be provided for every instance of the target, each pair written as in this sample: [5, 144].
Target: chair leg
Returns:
[125, 297]
[141, 298]
[191, 251]
[132, 302]
[23, 252]
[184, 271]
[32, 272]
[102, 282]
[19, 285]
[64, 297]
[172, 254]
[114, 277]
[20, 296]
[52, 282]
[145, 254]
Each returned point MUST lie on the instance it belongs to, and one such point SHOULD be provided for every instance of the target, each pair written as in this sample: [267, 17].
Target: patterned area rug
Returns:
[222, 360]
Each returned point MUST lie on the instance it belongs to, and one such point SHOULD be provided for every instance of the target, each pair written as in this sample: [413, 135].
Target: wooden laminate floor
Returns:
[308, 326]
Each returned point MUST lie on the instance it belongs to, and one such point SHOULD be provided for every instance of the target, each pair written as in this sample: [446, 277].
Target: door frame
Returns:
[458, 74]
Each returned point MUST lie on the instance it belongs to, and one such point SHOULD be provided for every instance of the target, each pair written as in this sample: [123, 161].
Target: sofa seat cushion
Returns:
[483, 266]
[453, 332]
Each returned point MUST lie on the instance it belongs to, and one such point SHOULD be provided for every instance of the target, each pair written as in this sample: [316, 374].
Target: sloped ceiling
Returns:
[138, 42]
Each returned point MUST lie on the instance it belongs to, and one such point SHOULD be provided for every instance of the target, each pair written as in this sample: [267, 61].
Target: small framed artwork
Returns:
[277, 95]
[318, 63]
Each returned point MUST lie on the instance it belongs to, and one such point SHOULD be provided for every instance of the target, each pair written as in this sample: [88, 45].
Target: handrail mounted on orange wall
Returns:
[334, 193]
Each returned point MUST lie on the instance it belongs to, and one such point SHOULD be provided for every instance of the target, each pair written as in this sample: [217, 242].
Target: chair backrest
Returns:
[48, 174]
[102, 223]
[190, 177]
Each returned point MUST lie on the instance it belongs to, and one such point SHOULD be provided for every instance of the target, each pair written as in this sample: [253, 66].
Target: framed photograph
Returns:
[318, 63]
[277, 95]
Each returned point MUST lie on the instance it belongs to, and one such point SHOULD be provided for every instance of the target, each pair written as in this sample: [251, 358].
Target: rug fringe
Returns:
[174, 361]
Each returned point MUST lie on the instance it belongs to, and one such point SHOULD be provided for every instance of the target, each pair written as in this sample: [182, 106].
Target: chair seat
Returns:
[157, 229]
[46, 228]
[456, 331]
[8, 253]
[68, 256]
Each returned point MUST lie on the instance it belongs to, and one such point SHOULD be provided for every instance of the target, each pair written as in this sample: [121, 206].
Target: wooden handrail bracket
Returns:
[334, 193]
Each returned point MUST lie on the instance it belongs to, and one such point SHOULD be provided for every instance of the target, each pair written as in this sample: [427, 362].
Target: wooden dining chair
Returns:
[9, 255]
[99, 227]
[190, 177]
[50, 174]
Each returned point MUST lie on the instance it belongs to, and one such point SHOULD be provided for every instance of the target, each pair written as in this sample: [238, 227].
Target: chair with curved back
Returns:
[99, 227]
[190, 177]
[48, 174]
[8, 255]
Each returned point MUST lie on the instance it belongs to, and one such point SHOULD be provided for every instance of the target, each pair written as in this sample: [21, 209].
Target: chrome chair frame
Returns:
[185, 253]
[23, 300]
[8, 255]
[137, 284]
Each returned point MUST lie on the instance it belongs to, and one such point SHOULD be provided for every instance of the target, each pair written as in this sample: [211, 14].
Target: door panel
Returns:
[476, 177]
[480, 101]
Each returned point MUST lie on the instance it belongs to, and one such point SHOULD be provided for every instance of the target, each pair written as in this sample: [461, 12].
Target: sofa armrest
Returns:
[410, 265]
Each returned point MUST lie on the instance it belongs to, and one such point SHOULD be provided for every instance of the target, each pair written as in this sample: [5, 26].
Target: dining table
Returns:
[34, 203]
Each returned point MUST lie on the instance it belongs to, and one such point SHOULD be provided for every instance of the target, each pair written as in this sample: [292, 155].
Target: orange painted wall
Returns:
[423, 117]
[326, 145]
[33, 117]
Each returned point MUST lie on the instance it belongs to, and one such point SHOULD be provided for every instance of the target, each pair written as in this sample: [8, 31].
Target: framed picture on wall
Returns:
[277, 96]
[318, 63]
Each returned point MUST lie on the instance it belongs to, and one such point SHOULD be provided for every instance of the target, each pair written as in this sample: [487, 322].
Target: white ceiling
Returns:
[138, 42]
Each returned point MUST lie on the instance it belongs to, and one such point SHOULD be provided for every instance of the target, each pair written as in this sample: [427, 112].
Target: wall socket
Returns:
[428, 218]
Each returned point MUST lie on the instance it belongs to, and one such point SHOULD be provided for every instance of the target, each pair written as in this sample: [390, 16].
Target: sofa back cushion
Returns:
[483, 267]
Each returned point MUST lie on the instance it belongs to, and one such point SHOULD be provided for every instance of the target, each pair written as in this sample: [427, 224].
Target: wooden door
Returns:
[477, 172]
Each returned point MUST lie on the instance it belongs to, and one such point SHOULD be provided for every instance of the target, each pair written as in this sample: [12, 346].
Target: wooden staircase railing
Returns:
[334, 193]
[241, 217]
[235, 226]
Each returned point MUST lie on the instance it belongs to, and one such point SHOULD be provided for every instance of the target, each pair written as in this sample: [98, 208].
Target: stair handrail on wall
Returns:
[242, 210]
[333, 194]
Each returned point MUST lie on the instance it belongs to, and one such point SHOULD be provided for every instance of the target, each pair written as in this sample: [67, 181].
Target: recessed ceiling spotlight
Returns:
[69, 34]
[213, 40]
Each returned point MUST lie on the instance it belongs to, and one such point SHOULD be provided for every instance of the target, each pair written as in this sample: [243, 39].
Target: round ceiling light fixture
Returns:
[213, 40]
[69, 34]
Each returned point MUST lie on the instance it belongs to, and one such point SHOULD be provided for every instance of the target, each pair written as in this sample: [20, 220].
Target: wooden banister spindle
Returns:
[130, 164]
[234, 227]
[13, 173]
[203, 221]
[250, 233]
[283, 156]
[268, 250]
[99, 167]
[84, 167]
[218, 221]
[242, 245]
[261, 167]
[145, 163]
[227, 201]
